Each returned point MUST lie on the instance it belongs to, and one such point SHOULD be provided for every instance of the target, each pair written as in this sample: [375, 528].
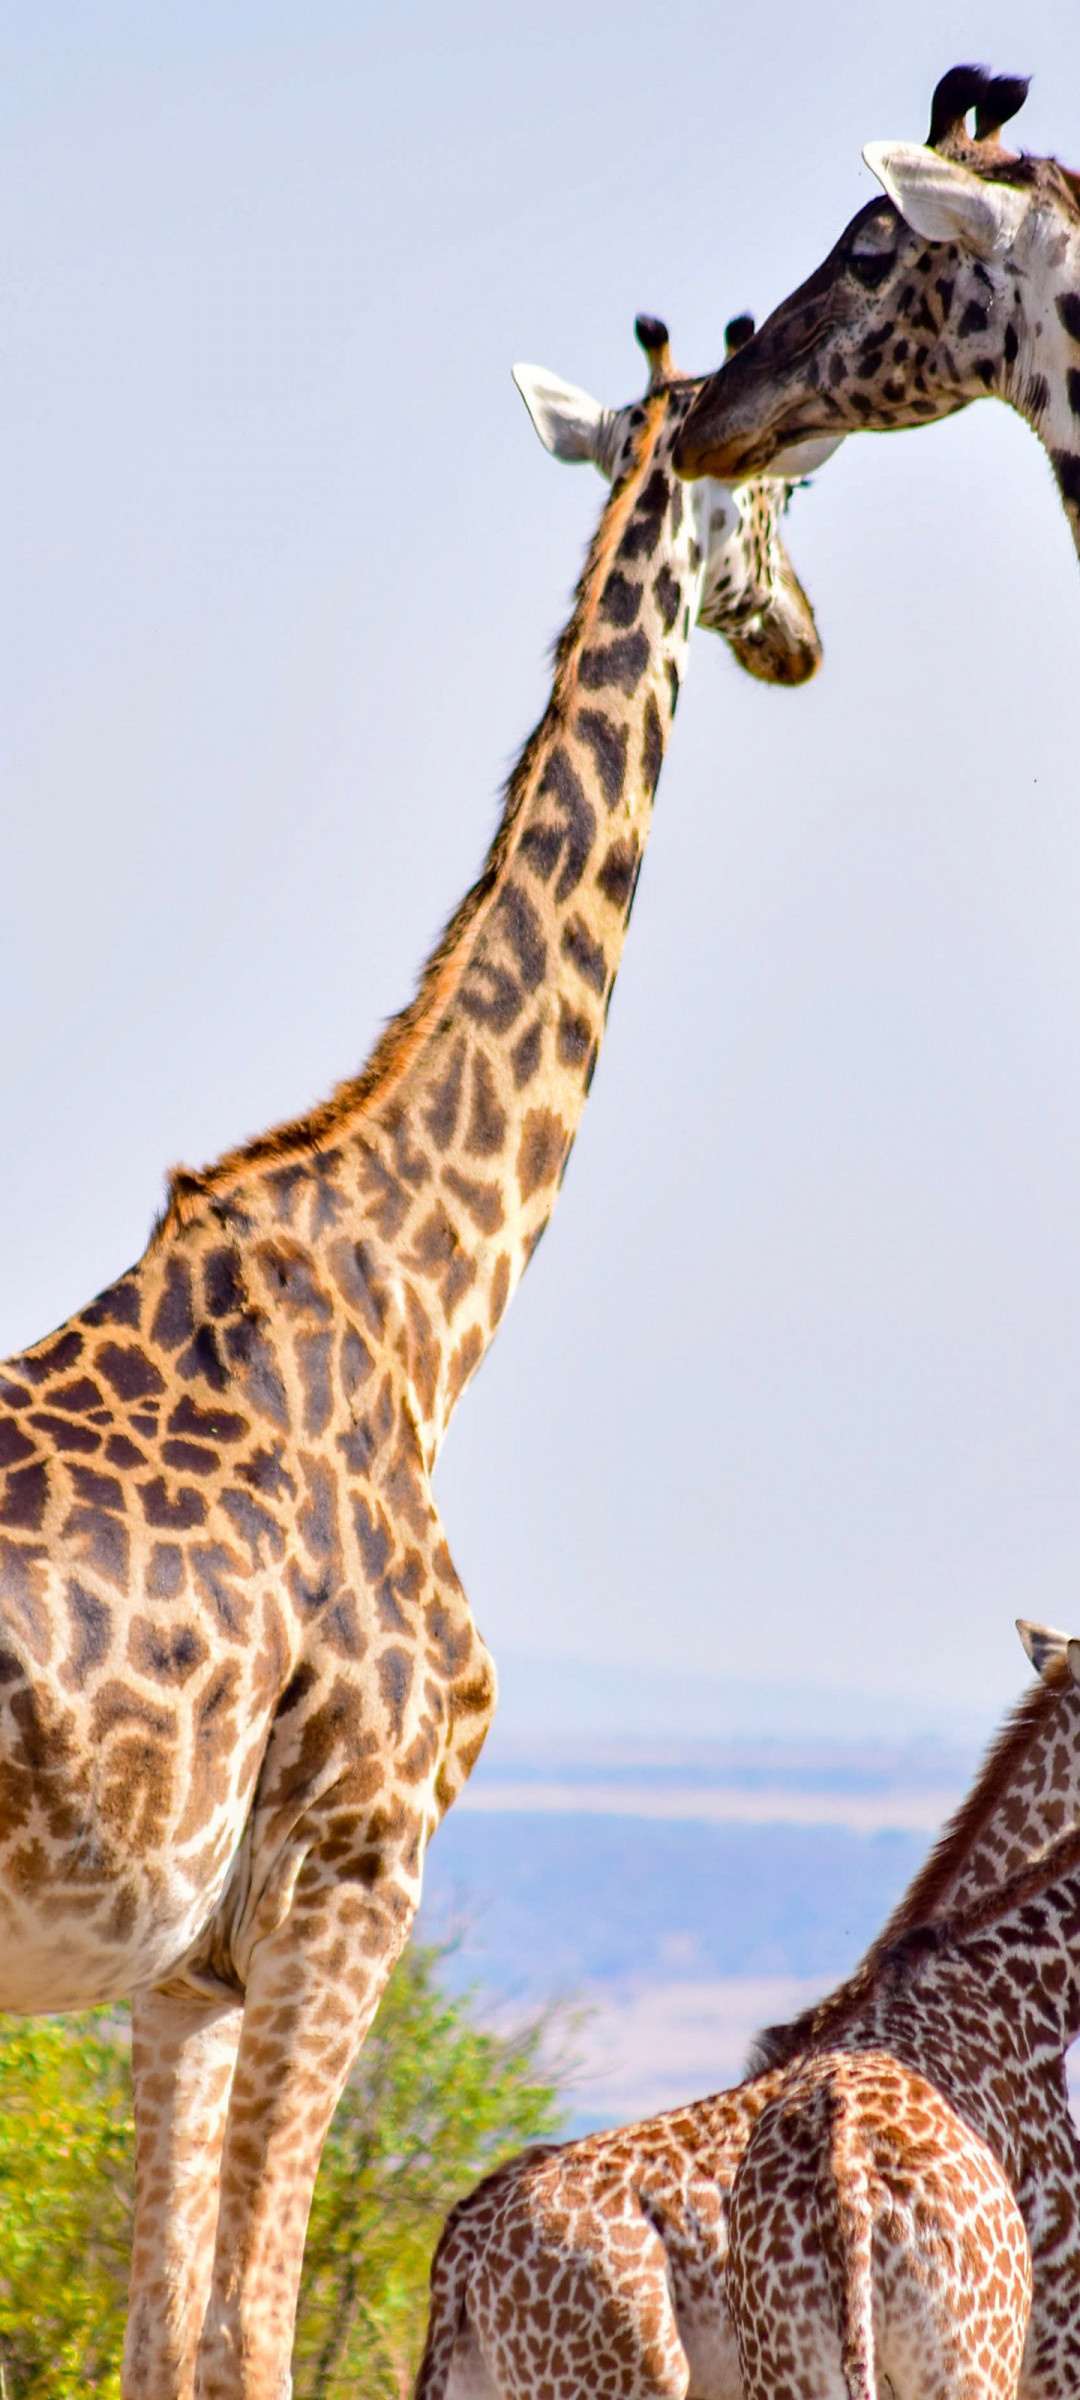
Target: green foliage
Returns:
[66, 2150]
[434, 2101]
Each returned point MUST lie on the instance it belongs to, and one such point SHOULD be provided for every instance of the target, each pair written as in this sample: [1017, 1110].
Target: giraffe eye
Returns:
[873, 250]
[871, 266]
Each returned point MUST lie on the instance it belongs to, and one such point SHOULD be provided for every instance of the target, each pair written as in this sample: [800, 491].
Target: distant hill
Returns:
[555, 1903]
[596, 1701]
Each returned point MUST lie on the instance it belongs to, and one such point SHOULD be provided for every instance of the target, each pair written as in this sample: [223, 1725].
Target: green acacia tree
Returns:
[435, 2100]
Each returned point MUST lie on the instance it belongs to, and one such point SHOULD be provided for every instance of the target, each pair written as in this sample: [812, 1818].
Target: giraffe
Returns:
[596, 2269]
[870, 2244]
[963, 280]
[906, 2264]
[239, 1679]
[876, 2245]
[750, 592]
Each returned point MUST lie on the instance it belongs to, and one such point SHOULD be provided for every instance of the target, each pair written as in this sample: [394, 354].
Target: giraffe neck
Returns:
[1017, 1949]
[1026, 1794]
[445, 1155]
[978, 2000]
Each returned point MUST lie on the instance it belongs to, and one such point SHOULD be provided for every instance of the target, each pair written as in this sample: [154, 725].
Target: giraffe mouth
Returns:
[793, 445]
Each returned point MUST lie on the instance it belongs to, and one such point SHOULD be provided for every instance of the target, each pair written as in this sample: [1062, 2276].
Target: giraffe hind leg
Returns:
[610, 2335]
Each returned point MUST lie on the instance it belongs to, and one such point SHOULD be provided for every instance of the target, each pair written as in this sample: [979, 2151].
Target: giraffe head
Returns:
[751, 593]
[960, 280]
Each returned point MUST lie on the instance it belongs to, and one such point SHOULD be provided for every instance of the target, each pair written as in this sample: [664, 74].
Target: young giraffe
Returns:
[876, 2247]
[598, 2267]
[963, 281]
[869, 2245]
[239, 1680]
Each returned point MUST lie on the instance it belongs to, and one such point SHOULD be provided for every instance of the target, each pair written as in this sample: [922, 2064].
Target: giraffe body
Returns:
[554, 2257]
[966, 2020]
[876, 2246]
[603, 2272]
[963, 280]
[597, 2267]
[239, 1679]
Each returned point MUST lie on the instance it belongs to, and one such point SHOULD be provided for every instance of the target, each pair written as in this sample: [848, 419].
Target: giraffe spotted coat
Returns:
[239, 1679]
[599, 2267]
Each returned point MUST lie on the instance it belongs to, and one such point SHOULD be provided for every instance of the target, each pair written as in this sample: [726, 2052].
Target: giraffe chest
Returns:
[218, 1555]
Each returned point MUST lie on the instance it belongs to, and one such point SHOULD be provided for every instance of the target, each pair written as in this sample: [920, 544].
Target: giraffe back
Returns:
[876, 2244]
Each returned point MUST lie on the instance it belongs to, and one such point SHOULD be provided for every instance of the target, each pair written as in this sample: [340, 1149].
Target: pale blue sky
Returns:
[793, 1388]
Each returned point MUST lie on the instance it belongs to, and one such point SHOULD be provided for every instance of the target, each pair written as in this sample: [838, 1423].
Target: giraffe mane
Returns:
[984, 157]
[778, 2045]
[1025, 171]
[398, 1044]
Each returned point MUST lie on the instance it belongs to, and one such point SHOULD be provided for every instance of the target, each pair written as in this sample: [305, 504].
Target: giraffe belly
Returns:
[103, 1924]
[88, 1916]
[74, 1948]
[470, 2378]
[118, 1826]
[97, 1895]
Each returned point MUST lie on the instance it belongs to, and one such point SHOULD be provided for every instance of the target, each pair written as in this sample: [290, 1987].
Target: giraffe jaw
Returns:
[804, 456]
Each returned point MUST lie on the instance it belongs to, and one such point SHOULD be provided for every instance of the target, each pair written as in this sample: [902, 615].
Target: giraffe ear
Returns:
[1046, 1648]
[569, 422]
[945, 202]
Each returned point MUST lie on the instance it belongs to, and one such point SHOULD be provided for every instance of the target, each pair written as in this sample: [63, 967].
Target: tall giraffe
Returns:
[963, 281]
[239, 1679]
[599, 2267]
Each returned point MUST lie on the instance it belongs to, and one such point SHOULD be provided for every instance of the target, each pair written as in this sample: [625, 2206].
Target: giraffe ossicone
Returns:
[240, 1682]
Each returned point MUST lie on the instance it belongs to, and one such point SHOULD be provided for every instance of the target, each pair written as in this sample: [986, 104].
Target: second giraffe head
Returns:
[750, 591]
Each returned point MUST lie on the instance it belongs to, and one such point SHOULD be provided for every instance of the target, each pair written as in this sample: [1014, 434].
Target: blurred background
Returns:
[782, 1431]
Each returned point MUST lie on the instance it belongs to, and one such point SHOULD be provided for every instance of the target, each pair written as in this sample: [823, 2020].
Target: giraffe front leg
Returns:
[374, 1737]
[313, 1987]
[183, 2057]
